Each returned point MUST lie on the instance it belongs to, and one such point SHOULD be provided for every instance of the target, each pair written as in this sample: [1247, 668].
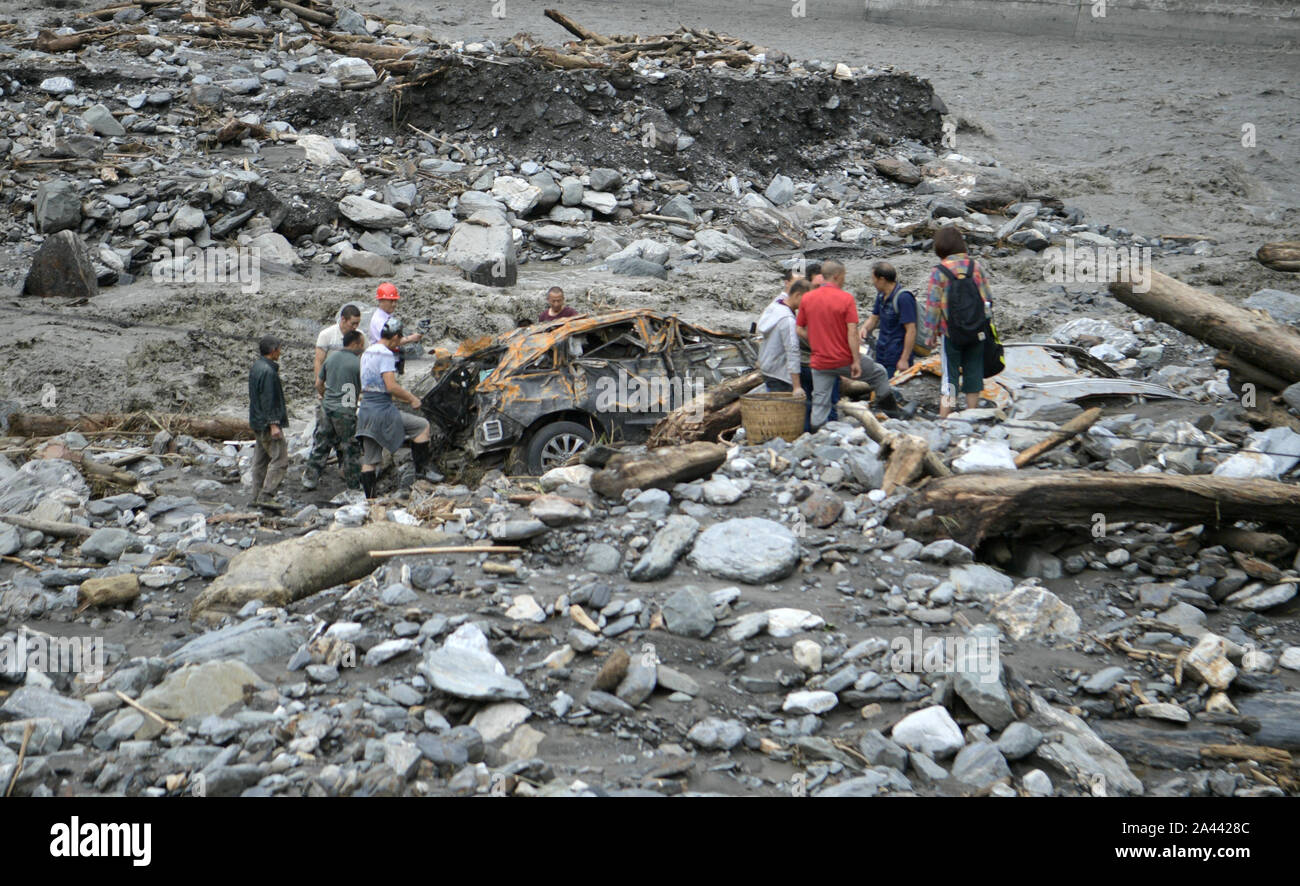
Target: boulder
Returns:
[370, 214]
[57, 207]
[750, 549]
[62, 268]
[484, 249]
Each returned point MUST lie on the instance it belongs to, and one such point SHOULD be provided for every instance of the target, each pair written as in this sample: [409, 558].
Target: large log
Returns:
[1240, 372]
[972, 507]
[49, 527]
[660, 469]
[706, 416]
[290, 570]
[1235, 330]
[1281, 256]
[31, 424]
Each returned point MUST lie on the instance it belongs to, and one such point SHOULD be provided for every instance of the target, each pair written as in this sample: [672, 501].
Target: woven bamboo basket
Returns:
[769, 415]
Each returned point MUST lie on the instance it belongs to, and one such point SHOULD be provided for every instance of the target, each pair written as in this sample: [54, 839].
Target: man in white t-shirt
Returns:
[331, 339]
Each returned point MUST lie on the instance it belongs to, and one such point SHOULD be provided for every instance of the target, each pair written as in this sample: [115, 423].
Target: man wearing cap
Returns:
[267, 416]
[386, 297]
[336, 429]
[381, 426]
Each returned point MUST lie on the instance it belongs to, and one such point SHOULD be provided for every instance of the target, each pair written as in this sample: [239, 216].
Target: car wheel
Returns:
[555, 444]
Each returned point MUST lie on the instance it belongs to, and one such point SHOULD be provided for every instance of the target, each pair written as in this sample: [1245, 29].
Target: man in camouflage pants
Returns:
[339, 381]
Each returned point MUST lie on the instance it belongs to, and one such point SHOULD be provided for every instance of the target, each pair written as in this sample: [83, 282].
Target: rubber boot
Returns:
[420, 455]
[888, 405]
[368, 483]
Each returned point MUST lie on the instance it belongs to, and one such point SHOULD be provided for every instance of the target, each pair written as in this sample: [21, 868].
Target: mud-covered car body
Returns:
[616, 374]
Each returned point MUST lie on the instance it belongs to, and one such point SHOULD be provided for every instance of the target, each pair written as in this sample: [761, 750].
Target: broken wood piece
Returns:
[576, 29]
[578, 614]
[89, 467]
[311, 15]
[930, 460]
[1067, 431]
[491, 568]
[290, 570]
[1283, 255]
[658, 469]
[972, 507]
[1240, 372]
[30, 424]
[1265, 755]
[115, 590]
[21, 562]
[1237, 331]
[22, 755]
[906, 461]
[152, 715]
[703, 418]
[450, 549]
[49, 527]
[1261, 544]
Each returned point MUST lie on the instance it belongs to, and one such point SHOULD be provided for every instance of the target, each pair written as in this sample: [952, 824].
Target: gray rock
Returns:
[977, 680]
[62, 267]
[926, 769]
[517, 530]
[483, 248]
[469, 674]
[107, 544]
[252, 642]
[874, 782]
[780, 191]
[10, 540]
[58, 85]
[1101, 682]
[689, 613]
[350, 21]
[1258, 597]
[32, 702]
[640, 681]
[560, 235]
[980, 765]
[631, 266]
[878, 749]
[1071, 746]
[370, 214]
[387, 650]
[750, 549]
[1284, 307]
[652, 503]
[1019, 740]
[102, 121]
[363, 263]
[679, 207]
[665, 549]
[978, 581]
[721, 247]
[605, 703]
[605, 179]
[717, 735]
[602, 558]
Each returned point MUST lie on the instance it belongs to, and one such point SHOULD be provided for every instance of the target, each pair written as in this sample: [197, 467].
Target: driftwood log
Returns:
[909, 456]
[705, 417]
[92, 469]
[972, 507]
[1067, 431]
[1281, 256]
[658, 469]
[49, 527]
[31, 424]
[1237, 331]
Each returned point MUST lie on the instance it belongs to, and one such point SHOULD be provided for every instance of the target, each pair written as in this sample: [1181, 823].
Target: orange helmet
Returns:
[387, 290]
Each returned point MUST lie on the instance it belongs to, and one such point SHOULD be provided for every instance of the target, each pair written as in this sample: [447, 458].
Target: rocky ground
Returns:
[740, 634]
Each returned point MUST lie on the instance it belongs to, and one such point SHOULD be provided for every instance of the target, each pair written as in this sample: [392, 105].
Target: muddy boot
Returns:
[889, 405]
[421, 455]
[368, 483]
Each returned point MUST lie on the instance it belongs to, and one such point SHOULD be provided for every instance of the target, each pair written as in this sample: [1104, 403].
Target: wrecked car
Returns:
[546, 391]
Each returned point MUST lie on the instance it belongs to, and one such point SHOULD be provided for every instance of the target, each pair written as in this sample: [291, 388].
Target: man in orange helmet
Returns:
[386, 297]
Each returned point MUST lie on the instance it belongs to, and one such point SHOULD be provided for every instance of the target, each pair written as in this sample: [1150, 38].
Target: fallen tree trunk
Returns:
[972, 507]
[290, 570]
[49, 527]
[311, 15]
[1283, 255]
[576, 29]
[1240, 372]
[659, 469]
[706, 416]
[1261, 544]
[909, 456]
[30, 424]
[1214, 321]
[1067, 431]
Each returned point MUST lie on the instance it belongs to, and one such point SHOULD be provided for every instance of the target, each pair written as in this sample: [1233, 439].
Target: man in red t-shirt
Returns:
[556, 309]
[828, 322]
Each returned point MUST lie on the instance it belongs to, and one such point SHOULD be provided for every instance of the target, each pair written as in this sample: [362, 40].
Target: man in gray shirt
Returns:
[340, 379]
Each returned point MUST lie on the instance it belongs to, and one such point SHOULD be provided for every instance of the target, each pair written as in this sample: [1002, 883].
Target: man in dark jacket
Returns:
[267, 416]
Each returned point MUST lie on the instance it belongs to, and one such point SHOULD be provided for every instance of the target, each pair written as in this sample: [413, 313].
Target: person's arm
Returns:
[871, 324]
[855, 365]
[790, 338]
[909, 340]
[320, 361]
[983, 284]
[801, 325]
[398, 392]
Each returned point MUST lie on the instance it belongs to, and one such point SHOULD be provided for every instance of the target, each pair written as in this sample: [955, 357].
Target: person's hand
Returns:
[855, 371]
[797, 391]
[862, 334]
[903, 364]
[276, 433]
[414, 401]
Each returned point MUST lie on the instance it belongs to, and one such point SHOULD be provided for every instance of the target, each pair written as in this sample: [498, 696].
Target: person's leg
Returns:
[806, 382]
[279, 465]
[345, 429]
[948, 383]
[972, 373]
[372, 454]
[823, 387]
[322, 442]
[776, 386]
[417, 431]
[875, 375]
[261, 458]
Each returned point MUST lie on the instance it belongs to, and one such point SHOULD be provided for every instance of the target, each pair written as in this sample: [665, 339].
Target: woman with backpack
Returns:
[957, 303]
